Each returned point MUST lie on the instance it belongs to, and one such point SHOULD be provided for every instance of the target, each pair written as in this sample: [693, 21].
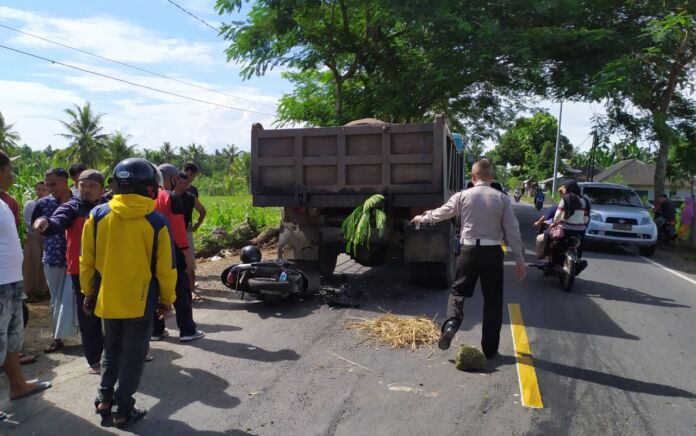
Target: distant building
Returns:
[641, 177]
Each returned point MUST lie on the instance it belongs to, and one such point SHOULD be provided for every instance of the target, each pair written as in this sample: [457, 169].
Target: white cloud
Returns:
[111, 37]
[148, 122]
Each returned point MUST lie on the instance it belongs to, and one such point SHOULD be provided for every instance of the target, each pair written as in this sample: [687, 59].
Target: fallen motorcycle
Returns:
[270, 280]
[564, 262]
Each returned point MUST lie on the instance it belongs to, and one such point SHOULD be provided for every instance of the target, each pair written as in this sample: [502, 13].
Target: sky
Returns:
[154, 35]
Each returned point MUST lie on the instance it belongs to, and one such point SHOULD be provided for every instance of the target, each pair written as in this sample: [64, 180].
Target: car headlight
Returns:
[645, 221]
[596, 217]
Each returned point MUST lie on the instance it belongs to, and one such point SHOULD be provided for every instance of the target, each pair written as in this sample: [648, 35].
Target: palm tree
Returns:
[193, 153]
[117, 149]
[167, 153]
[229, 154]
[8, 136]
[85, 135]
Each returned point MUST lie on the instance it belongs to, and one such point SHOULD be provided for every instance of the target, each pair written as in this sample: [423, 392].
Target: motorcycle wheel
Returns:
[567, 274]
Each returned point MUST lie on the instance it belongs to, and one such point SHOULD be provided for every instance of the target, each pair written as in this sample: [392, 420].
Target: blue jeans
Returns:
[11, 319]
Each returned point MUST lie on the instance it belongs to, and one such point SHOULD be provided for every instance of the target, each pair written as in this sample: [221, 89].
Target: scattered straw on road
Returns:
[398, 331]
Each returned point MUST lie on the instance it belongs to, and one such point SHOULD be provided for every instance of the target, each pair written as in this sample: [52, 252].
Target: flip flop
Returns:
[40, 387]
[27, 359]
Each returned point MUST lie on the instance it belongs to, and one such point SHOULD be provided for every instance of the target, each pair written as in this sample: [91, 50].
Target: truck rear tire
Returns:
[419, 273]
[328, 256]
[441, 274]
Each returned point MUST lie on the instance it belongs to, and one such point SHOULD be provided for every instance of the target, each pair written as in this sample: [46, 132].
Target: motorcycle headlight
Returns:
[645, 221]
[596, 217]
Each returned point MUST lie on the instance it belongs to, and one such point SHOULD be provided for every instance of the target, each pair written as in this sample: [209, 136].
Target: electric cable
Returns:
[133, 83]
[133, 66]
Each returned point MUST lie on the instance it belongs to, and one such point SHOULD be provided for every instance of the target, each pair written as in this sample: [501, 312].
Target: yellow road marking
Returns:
[529, 387]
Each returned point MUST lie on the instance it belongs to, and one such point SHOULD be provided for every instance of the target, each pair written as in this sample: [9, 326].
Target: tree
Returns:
[229, 155]
[117, 149]
[193, 153]
[84, 135]
[167, 153]
[530, 143]
[9, 138]
[639, 57]
[393, 60]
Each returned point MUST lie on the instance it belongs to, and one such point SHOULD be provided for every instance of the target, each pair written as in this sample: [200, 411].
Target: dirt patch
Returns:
[680, 258]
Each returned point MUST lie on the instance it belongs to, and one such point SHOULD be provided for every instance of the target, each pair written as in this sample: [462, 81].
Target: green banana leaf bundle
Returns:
[357, 228]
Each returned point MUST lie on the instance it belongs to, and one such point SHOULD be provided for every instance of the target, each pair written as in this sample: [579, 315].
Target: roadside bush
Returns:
[231, 222]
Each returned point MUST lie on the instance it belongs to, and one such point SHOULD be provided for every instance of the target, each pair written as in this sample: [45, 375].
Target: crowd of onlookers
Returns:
[114, 255]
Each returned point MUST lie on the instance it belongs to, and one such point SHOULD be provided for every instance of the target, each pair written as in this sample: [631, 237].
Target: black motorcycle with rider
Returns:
[665, 220]
[561, 252]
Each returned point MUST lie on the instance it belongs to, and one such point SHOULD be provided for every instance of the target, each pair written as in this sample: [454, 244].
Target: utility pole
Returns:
[558, 143]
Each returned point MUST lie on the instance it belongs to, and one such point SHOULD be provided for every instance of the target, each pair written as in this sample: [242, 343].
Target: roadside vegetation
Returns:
[223, 182]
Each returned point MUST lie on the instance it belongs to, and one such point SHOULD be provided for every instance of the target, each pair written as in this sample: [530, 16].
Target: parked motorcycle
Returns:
[564, 262]
[667, 233]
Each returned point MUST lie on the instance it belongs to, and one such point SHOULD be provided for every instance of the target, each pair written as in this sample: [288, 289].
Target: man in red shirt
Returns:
[172, 208]
[12, 203]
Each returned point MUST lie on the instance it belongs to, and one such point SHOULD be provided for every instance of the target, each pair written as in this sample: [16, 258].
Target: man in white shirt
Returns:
[11, 318]
[487, 219]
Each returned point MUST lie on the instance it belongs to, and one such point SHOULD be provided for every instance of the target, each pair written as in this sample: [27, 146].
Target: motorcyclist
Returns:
[543, 223]
[518, 193]
[539, 197]
[664, 211]
[572, 214]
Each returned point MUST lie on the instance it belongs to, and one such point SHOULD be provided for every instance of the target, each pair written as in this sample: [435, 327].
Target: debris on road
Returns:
[469, 357]
[418, 391]
[349, 361]
[398, 331]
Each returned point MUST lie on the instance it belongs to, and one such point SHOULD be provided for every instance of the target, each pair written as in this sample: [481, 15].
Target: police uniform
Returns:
[487, 219]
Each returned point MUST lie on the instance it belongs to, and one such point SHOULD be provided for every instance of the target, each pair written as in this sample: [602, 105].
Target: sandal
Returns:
[40, 387]
[134, 415]
[104, 412]
[3, 416]
[95, 369]
[27, 359]
[54, 346]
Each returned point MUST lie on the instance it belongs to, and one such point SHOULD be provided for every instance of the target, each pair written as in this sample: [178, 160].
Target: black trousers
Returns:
[90, 327]
[183, 305]
[483, 263]
[125, 346]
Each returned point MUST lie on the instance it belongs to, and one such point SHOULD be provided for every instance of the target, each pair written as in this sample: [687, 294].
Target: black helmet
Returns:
[134, 175]
[250, 254]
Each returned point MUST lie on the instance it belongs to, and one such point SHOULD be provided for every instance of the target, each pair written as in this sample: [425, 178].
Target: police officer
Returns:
[487, 219]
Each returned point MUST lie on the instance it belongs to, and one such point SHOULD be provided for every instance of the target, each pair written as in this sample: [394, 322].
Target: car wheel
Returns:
[647, 250]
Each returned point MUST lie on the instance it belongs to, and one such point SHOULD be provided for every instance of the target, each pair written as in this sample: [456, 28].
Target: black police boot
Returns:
[449, 329]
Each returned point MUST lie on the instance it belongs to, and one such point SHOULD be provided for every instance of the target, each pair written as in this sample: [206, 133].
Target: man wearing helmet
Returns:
[127, 273]
[170, 205]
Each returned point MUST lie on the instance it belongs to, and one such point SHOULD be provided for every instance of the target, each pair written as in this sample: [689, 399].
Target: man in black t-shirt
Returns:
[191, 201]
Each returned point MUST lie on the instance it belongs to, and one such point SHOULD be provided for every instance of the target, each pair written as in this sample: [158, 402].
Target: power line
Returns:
[133, 66]
[133, 83]
[195, 17]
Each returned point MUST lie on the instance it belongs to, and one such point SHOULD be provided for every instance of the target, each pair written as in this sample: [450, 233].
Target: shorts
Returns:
[11, 319]
[191, 255]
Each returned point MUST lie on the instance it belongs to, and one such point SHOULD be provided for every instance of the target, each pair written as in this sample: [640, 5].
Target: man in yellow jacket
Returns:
[127, 270]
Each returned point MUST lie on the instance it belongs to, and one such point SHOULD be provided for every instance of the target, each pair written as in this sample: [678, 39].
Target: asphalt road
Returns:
[615, 356]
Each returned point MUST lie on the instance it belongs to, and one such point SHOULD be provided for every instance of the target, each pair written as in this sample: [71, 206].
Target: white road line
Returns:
[659, 265]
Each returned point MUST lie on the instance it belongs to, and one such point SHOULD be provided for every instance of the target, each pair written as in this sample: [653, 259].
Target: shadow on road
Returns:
[614, 381]
[244, 351]
[177, 387]
[619, 293]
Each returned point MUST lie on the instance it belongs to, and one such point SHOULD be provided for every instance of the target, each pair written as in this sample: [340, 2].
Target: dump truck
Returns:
[319, 175]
